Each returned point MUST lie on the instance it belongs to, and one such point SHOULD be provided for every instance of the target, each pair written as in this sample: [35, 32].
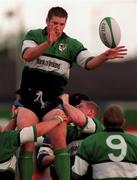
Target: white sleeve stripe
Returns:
[28, 44]
[83, 57]
[90, 127]
[26, 135]
[80, 166]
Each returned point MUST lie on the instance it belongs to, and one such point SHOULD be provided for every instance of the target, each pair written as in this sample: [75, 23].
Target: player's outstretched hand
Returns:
[117, 52]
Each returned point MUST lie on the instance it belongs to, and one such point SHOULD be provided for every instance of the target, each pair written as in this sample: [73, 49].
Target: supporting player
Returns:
[112, 153]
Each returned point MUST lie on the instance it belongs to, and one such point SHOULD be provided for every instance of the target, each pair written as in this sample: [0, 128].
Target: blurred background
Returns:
[114, 82]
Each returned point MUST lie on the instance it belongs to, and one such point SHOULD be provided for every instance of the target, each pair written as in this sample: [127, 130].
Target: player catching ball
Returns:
[49, 54]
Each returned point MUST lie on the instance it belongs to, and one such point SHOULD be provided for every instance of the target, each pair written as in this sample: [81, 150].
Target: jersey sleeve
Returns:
[80, 54]
[9, 144]
[28, 134]
[99, 125]
[90, 126]
[81, 163]
[29, 41]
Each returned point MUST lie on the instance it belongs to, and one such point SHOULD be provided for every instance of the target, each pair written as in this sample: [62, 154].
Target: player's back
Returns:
[112, 153]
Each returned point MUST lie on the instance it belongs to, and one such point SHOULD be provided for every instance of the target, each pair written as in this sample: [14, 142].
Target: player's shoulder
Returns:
[34, 34]
[99, 125]
[93, 137]
[30, 34]
[130, 136]
[73, 40]
[35, 31]
[8, 135]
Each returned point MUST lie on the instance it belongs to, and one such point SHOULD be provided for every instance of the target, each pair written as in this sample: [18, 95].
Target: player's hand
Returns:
[117, 52]
[66, 118]
[56, 114]
[53, 35]
[62, 116]
[65, 98]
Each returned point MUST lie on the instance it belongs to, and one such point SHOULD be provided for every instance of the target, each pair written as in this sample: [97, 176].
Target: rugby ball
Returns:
[109, 31]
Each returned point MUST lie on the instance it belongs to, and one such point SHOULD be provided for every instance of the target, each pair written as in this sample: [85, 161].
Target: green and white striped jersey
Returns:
[112, 154]
[52, 68]
[76, 135]
[9, 142]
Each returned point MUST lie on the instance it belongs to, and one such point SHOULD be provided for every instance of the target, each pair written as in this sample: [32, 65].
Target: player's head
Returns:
[76, 98]
[56, 20]
[114, 117]
[89, 108]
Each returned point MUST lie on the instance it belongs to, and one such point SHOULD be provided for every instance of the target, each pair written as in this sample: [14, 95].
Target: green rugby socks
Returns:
[62, 164]
[26, 165]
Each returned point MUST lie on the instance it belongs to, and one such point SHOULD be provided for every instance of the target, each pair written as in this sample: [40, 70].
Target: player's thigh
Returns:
[25, 117]
[58, 134]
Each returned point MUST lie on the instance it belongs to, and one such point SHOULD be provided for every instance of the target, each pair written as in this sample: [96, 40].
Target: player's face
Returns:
[56, 23]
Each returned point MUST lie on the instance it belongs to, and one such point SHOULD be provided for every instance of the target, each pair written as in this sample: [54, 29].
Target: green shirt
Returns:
[111, 153]
[52, 68]
[9, 143]
[75, 136]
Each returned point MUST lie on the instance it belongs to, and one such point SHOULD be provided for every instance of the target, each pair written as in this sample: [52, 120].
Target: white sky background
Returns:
[83, 21]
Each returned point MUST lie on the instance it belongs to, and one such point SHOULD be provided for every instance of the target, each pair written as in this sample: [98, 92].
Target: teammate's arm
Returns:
[76, 116]
[53, 119]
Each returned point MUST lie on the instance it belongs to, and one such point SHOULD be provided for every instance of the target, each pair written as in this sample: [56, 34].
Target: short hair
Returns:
[92, 106]
[76, 98]
[113, 116]
[57, 11]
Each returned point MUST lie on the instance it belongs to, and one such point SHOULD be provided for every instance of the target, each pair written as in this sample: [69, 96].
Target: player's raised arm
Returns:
[75, 115]
[112, 53]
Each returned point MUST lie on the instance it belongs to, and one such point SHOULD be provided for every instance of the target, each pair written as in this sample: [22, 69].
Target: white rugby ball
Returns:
[109, 32]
